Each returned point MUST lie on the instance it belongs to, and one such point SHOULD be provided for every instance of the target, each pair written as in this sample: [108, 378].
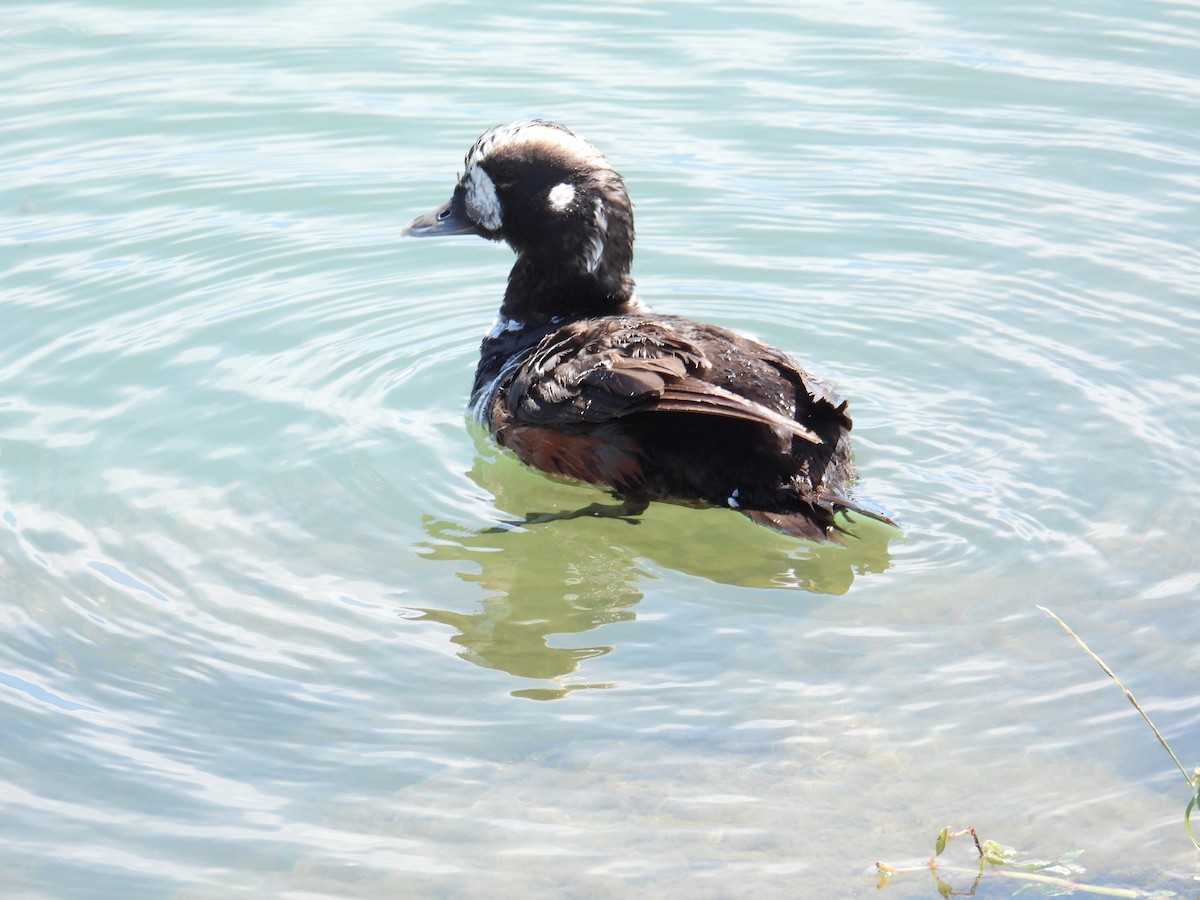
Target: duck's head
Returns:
[555, 200]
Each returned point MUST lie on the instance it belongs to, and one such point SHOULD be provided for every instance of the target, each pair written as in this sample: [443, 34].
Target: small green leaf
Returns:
[940, 846]
[997, 854]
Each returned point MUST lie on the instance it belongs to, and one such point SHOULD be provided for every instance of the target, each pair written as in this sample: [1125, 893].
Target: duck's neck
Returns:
[540, 292]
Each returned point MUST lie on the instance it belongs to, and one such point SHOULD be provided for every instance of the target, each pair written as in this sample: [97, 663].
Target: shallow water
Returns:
[261, 639]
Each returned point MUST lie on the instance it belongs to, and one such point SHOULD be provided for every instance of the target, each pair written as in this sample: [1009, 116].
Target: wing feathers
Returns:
[693, 396]
[580, 375]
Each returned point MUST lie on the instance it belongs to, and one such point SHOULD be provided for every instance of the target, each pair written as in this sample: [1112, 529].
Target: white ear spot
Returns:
[483, 206]
[561, 196]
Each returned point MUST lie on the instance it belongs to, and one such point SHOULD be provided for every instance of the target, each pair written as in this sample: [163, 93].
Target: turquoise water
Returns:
[259, 637]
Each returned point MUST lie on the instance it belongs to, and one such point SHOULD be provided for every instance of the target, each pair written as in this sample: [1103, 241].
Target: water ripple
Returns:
[269, 624]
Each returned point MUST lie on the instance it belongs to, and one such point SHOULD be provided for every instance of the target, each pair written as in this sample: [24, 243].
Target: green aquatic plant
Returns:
[1193, 780]
[996, 860]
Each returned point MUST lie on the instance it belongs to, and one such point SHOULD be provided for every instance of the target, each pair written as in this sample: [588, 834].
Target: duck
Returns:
[581, 380]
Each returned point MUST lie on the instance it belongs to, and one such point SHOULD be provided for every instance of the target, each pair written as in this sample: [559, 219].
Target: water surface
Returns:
[262, 634]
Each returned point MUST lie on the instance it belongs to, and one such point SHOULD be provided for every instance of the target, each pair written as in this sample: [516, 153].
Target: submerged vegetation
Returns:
[1055, 876]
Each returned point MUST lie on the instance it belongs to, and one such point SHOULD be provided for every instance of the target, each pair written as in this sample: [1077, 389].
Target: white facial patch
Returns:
[483, 206]
[561, 196]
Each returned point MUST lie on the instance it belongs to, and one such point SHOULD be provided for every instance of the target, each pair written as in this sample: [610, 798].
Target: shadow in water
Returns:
[572, 575]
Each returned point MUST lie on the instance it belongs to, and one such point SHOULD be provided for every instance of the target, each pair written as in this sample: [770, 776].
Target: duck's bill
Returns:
[450, 218]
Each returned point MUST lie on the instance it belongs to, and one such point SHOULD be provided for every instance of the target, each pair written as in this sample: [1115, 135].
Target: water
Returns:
[259, 640]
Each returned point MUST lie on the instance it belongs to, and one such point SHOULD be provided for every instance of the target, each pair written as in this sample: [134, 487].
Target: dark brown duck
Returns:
[580, 379]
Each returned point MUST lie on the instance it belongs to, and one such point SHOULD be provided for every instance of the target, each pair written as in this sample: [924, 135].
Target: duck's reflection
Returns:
[571, 575]
[538, 582]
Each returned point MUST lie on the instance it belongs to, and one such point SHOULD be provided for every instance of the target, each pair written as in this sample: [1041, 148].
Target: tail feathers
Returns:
[819, 521]
[866, 507]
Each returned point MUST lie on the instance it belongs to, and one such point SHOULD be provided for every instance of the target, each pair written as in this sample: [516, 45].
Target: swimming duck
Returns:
[580, 379]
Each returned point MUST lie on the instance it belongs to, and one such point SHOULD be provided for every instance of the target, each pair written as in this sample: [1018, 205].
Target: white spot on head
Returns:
[561, 196]
[483, 206]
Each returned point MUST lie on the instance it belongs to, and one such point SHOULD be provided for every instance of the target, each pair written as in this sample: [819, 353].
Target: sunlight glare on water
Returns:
[267, 628]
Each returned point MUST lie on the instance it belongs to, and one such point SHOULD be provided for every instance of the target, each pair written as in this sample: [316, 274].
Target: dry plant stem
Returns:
[1136, 705]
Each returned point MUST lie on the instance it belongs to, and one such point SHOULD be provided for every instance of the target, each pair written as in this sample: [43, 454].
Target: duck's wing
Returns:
[601, 370]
